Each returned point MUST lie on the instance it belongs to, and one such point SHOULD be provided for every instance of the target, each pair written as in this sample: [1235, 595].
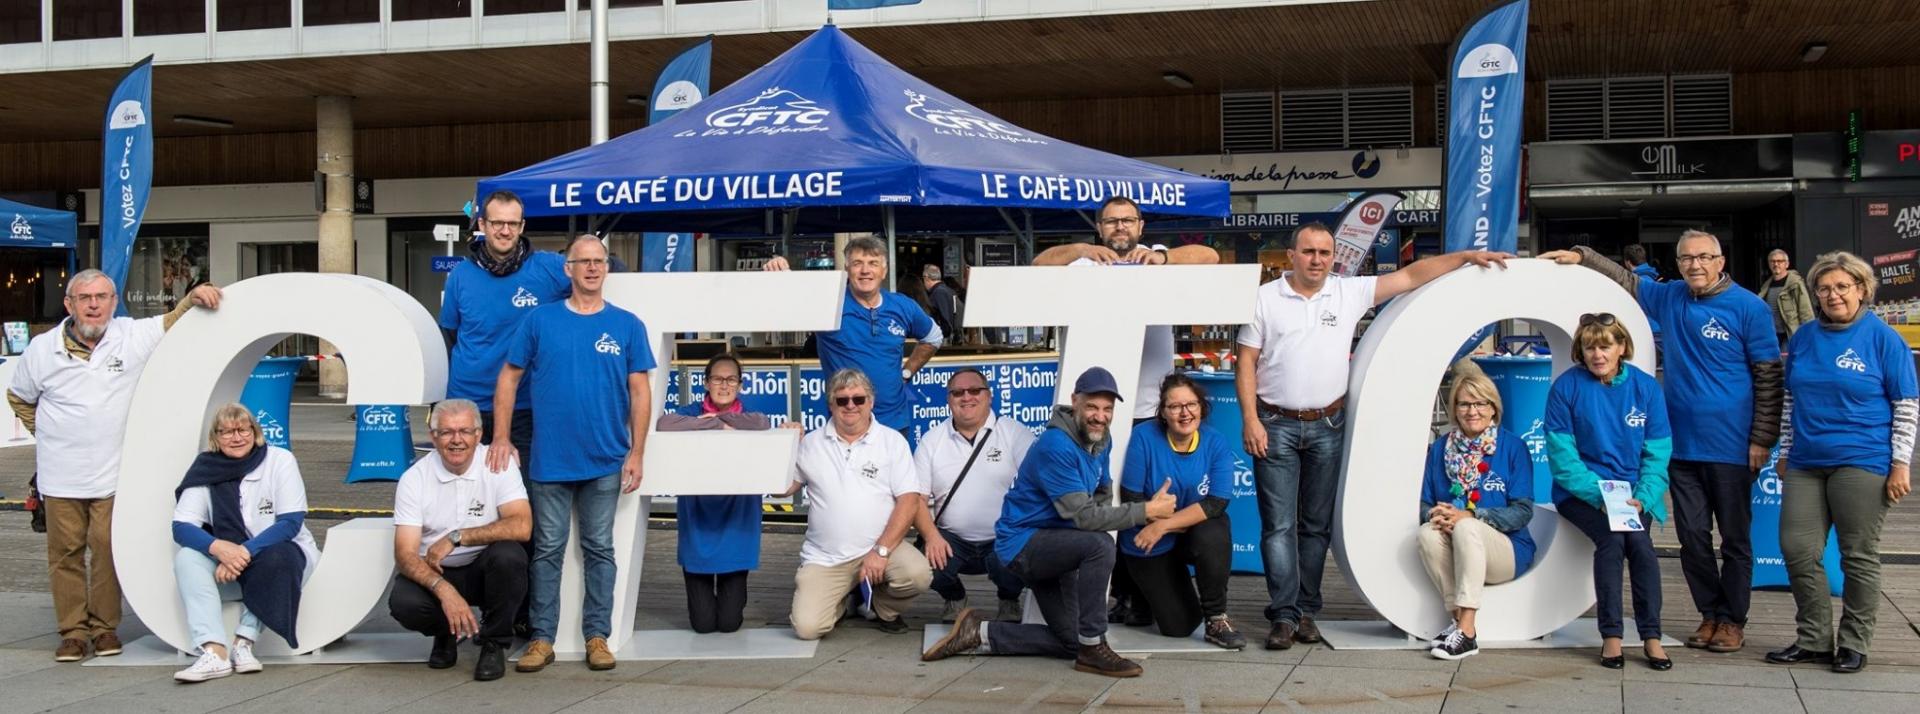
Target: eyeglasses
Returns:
[723, 380]
[1187, 407]
[589, 262]
[444, 433]
[236, 431]
[1474, 406]
[1700, 259]
[1127, 221]
[84, 298]
[509, 225]
[1842, 289]
[1603, 319]
[844, 402]
[966, 391]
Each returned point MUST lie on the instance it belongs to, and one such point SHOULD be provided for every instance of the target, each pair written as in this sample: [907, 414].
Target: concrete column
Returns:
[333, 142]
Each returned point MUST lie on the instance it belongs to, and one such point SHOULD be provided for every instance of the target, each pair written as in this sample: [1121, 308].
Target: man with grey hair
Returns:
[862, 493]
[72, 389]
[874, 326]
[1786, 295]
[945, 302]
[458, 529]
[1724, 393]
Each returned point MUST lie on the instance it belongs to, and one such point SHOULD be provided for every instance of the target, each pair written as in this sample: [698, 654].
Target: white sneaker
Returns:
[1441, 638]
[209, 666]
[243, 660]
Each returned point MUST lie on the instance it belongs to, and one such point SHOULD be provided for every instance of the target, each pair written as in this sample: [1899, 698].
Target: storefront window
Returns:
[315, 13]
[253, 15]
[168, 260]
[85, 19]
[31, 280]
[169, 17]
[431, 9]
[19, 22]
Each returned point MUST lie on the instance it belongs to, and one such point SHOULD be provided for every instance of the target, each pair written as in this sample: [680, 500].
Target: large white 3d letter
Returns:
[1106, 313]
[396, 356]
[1397, 366]
[697, 463]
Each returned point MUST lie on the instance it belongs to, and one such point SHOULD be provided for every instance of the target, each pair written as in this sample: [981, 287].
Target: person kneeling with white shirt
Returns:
[240, 519]
[457, 534]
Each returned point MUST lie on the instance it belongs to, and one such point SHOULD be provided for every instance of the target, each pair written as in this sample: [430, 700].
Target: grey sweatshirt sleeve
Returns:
[746, 421]
[1090, 512]
[1614, 271]
[682, 422]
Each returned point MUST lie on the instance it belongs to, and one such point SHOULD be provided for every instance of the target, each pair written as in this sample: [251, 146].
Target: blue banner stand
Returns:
[269, 395]
[1523, 383]
[1243, 512]
[382, 443]
[1769, 568]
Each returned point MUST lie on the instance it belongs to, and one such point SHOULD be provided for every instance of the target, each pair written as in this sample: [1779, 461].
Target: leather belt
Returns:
[1305, 414]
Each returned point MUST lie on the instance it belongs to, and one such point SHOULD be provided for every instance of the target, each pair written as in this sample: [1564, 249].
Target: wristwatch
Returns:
[454, 537]
[883, 551]
[906, 373]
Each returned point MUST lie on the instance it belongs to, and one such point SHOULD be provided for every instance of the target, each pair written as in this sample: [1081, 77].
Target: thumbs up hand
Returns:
[1163, 504]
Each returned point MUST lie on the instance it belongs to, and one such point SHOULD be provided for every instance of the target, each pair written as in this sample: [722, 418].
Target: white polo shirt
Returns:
[272, 488]
[850, 490]
[80, 413]
[1305, 343]
[943, 452]
[440, 501]
[1156, 357]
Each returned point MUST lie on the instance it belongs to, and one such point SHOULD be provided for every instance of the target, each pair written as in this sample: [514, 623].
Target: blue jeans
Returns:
[203, 596]
[1296, 482]
[1610, 548]
[555, 506]
[973, 558]
[1068, 571]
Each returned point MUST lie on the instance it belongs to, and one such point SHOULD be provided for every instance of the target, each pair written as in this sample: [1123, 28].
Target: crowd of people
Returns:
[549, 408]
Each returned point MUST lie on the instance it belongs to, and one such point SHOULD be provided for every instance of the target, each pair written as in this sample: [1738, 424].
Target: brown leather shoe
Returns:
[1281, 636]
[1729, 638]
[1307, 632]
[1102, 660]
[599, 658]
[964, 638]
[107, 644]
[539, 654]
[72, 649]
[1703, 634]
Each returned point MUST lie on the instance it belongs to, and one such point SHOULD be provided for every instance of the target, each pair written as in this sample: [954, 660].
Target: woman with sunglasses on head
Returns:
[719, 535]
[1607, 421]
[1178, 453]
[1475, 504]
[1847, 436]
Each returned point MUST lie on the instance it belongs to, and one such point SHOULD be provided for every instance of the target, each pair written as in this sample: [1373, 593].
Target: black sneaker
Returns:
[446, 651]
[1102, 660]
[964, 638]
[493, 661]
[1220, 633]
[1458, 645]
[895, 626]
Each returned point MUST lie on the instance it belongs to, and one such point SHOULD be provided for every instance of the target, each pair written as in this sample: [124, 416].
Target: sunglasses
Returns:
[966, 391]
[844, 402]
[1604, 319]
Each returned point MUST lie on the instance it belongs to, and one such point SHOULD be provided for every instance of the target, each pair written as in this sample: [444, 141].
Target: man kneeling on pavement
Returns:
[1052, 533]
[458, 530]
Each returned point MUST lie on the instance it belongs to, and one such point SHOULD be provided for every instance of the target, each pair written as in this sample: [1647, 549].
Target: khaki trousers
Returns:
[1464, 562]
[86, 594]
[820, 591]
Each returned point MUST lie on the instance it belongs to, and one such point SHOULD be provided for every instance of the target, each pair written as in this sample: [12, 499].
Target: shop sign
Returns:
[1301, 171]
[1890, 154]
[1290, 221]
[1661, 161]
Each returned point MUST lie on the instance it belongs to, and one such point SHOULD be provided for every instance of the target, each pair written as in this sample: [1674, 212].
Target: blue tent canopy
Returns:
[831, 125]
[36, 227]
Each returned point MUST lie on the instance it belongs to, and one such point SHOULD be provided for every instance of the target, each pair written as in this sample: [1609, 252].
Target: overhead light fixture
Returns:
[1177, 79]
[1813, 52]
[203, 121]
[638, 100]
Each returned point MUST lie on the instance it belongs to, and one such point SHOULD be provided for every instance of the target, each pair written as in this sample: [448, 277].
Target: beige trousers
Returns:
[820, 591]
[1462, 563]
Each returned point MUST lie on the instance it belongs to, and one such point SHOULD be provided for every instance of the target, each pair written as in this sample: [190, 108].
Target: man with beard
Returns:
[486, 297]
[72, 390]
[1052, 534]
[1724, 389]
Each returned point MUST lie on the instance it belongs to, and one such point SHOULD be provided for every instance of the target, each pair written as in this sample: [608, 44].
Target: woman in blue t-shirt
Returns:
[719, 535]
[1846, 435]
[1608, 423]
[1179, 454]
[1474, 507]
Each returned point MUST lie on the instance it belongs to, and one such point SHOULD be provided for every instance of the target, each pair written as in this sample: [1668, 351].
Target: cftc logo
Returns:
[21, 229]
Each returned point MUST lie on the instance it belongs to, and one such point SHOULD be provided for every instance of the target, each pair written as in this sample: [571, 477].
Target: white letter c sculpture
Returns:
[1405, 353]
[203, 362]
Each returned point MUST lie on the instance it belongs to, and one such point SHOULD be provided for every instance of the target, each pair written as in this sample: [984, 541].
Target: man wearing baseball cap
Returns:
[1052, 533]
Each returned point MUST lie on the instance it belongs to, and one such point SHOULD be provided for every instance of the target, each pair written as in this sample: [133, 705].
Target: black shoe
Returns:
[446, 651]
[493, 661]
[1846, 661]
[1614, 662]
[1793, 654]
[1220, 633]
[1281, 636]
[964, 638]
[522, 631]
[1101, 659]
[895, 626]
[1458, 646]
[1307, 631]
[1659, 664]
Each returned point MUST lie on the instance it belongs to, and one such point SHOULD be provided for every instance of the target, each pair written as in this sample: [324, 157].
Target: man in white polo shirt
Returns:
[72, 389]
[966, 464]
[862, 493]
[1292, 383]
[457, 534]
[1121, 228]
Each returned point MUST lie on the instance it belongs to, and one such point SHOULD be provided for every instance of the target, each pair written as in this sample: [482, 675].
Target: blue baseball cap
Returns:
[1097, 380]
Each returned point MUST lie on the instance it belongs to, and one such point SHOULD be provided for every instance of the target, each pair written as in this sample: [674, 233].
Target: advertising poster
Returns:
[1890, 240]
